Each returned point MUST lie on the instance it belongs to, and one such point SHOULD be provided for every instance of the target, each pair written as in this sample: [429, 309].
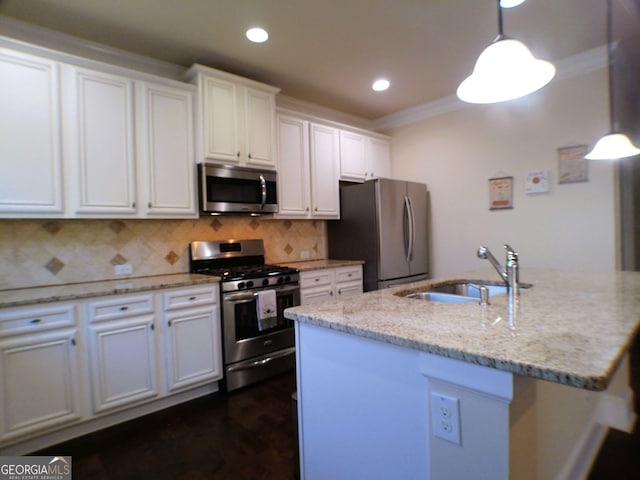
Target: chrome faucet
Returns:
[511, 274]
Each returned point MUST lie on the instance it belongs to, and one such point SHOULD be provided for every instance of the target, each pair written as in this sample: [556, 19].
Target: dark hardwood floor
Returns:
[248, 434]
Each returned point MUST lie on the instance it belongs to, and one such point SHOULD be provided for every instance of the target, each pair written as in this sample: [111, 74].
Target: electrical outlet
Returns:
[125, 269]
[445, 417]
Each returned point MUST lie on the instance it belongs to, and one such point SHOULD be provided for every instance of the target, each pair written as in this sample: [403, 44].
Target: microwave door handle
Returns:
[263, 184]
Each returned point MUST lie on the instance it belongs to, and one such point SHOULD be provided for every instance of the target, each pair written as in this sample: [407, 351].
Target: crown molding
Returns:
[318, 111]
[32, 38]
[576, 65]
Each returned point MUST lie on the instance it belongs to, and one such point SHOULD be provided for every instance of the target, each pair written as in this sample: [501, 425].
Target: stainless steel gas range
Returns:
[258, 342]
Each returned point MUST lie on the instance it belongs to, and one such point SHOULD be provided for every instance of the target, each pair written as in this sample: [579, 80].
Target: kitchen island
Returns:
[534, 387]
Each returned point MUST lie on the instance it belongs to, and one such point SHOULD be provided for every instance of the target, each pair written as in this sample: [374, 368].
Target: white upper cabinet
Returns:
[123, 141]
[363, 157]
[30, 136]
[378, 152]
[166, 185]
[353, 162]
[308, 169]
[294, 189]
[237, 119]
[325, 171]
[99, 141]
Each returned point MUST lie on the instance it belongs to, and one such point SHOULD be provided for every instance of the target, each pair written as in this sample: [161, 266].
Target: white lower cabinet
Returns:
[40, 360]
[122, 351]
[192, 337]
[330, 284]
[68, 368]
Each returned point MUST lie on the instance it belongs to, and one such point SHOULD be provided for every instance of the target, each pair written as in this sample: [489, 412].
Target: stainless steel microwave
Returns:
[226, 189]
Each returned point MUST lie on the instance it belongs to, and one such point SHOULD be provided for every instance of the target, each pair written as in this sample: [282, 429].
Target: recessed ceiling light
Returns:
[257, 35]
[380, 85]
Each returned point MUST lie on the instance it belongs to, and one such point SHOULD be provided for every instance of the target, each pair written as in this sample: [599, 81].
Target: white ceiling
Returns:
[328, 51]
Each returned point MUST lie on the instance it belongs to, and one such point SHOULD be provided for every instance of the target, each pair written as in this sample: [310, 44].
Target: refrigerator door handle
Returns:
[408, 222]
[412, 230]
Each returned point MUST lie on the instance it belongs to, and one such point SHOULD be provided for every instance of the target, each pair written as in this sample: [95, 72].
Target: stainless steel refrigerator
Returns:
[384, 223]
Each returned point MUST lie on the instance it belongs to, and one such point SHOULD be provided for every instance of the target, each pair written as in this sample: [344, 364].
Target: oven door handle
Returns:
[259, 363]
[238, 297]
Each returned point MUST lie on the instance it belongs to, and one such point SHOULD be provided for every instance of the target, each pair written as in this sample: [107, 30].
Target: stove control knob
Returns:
[241, 285]
[280, 279]
[265, 282]
[249, 284]
[287, 278]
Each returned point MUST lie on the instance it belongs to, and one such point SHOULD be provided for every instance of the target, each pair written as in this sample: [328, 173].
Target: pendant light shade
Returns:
[613, 145]
[505, 70]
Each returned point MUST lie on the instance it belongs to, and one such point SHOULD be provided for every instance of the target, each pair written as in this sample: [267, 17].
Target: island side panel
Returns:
[362, 408]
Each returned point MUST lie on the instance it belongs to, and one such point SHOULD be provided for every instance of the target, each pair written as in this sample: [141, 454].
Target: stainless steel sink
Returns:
[458, 291]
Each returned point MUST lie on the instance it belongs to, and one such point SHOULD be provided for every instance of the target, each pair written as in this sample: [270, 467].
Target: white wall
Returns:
[571, 227]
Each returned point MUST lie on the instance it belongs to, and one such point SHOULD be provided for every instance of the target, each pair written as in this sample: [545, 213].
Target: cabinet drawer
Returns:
[348, 274]
[316, 278]
[120, 307]
[29, 319]
[190, 297]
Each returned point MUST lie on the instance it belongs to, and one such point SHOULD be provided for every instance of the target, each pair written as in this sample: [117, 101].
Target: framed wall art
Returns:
[500, 193]
[572, 166]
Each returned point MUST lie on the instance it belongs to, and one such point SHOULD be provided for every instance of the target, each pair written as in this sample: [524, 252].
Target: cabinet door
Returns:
[30, 142]
[379, 156]
[123, 362]
[39, 382]
[313, 295]
[165, 146]
[325, 194]
[220, 120]
[259, 128]
[293, 167]
[353, 162]
[100, 143]
[193, 347]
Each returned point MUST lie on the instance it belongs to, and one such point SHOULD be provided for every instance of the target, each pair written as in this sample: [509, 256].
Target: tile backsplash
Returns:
[51, 252]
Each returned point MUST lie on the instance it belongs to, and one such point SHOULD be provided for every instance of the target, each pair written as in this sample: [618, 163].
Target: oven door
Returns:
[242, 337]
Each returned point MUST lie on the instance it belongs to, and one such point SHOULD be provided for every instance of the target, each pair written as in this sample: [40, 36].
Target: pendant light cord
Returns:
[609, 28]
[500, 23]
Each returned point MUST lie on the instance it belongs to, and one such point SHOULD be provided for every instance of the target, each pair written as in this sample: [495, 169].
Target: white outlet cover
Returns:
[445, 417]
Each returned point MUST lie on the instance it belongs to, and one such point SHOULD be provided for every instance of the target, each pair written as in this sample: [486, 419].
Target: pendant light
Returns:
[505, 70]
[614, 145]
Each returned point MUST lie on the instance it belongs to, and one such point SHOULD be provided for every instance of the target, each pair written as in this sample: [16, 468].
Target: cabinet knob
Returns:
[124, 309]
[169, 323]
[249, 155]
[133, 205]
[238, 154]
[306, 209]
[331, 293]
[152, 326]
[36, 320]
[149, 205]
[192, 298]
[339, 292]
[73, 342]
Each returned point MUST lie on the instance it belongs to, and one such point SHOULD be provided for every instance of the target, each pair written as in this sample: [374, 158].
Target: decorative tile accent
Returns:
[118, 260]
[117, 226]
[215, 224]
[52, 227]
[54, 265]
[172, 257]
[91, 248]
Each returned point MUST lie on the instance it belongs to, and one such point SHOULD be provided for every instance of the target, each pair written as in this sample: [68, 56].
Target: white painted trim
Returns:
[309, 109]
[573, 66]
[578, 463]
[34, 39]
[485, 380]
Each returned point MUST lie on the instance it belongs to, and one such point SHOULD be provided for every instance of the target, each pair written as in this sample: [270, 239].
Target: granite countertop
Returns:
[74, 291]
[571, 328]
[322, 264]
